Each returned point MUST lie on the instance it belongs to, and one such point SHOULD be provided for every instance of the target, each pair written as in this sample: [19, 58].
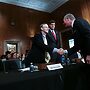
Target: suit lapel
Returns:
[51, 36]
[57, 35]
[41, 37]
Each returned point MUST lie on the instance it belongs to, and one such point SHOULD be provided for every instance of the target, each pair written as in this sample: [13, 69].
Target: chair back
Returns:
[12, 65]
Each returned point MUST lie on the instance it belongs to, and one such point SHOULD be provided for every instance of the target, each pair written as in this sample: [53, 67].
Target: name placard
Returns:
[24, 69]
[54, 66]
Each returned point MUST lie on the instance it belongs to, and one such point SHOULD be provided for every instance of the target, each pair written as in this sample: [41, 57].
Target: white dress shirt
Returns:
[47, 55]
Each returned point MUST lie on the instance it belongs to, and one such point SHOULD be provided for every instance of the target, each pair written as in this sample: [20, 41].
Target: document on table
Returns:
[24, 69]
[54, 66]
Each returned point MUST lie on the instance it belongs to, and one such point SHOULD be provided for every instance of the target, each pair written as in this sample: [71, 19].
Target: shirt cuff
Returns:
[65, 52]
[55, 50]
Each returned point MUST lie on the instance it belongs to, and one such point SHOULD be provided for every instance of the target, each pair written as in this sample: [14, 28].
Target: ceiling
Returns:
[41, 5]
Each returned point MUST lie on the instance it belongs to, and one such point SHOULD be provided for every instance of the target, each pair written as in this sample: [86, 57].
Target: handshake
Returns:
[61, 51]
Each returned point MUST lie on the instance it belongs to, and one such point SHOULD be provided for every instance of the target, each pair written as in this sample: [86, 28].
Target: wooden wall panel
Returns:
[80, 8]
[19, 24]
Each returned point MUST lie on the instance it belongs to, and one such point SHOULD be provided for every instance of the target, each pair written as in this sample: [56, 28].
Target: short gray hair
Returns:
[42, 24]
[70, 16]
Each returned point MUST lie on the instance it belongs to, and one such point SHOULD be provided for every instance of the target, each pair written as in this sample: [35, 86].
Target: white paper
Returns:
[54, 66]
[25, 69]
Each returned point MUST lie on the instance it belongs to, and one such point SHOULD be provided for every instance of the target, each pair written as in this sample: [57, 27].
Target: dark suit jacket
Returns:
[55, 44]
[81, 29]
[37, 52]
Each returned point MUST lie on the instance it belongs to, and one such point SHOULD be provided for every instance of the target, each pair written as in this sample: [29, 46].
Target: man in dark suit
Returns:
[41, 43]
[81, 32]
[55, 36]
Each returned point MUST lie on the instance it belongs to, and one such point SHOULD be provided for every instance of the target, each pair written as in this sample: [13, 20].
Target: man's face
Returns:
[45, 28]
[67, 22]
[52, 26]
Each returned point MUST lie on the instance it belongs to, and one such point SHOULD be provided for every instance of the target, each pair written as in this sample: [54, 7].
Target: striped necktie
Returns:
[54, 35]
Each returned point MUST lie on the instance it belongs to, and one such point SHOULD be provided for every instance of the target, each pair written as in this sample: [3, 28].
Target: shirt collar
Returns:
[44, 35]
[51, 30]
[72, 22]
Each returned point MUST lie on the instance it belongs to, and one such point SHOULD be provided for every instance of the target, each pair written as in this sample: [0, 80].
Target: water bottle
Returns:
[63, 60]
[68, 61]
[31, 67]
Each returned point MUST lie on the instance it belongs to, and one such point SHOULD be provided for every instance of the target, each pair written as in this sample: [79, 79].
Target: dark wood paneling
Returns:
[80, 8]
[20, 24]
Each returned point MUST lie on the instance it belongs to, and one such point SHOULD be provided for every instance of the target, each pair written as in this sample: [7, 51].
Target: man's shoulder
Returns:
[79, 19]
[54, 30]
[38, 34]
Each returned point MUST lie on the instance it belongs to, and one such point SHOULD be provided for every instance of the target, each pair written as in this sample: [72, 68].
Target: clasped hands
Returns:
[88, 59]
[60, 51]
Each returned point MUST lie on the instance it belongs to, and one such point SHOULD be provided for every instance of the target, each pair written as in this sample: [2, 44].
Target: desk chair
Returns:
[12, 65]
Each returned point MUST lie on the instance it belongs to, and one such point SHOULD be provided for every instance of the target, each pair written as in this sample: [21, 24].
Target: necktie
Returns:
[54, 35]
[47, 55]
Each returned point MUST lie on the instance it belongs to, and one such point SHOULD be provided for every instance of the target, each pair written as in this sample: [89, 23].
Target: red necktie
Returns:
[54, 35]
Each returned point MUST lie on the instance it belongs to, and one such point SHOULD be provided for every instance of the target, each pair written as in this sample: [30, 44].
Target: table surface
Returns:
[46, 80]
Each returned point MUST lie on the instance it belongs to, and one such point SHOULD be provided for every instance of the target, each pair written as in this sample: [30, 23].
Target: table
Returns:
[44, 80]
[71, 77]
[76, 77]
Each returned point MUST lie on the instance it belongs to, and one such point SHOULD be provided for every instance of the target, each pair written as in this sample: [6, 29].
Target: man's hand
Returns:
[60, 51]
[88, 59]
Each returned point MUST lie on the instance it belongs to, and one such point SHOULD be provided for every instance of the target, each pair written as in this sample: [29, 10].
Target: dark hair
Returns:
[51, 21]
[3, 56]
[7, 52]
